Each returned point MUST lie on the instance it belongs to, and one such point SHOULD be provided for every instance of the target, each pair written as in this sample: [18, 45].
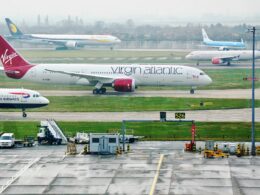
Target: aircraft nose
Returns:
[208, 80]
[45, 100]
[187, 57]
[118, 41]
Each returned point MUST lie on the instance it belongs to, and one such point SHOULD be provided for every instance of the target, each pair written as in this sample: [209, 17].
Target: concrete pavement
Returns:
[231, 115]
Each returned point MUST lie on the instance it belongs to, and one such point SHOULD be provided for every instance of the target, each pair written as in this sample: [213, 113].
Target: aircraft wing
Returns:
[229, 58]
[91, 77]
[53, 42]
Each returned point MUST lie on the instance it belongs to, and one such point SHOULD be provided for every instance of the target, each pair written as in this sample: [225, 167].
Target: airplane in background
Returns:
[63, 41]
[222, 57]
[123, 78]
[222, 45]
[21, 99]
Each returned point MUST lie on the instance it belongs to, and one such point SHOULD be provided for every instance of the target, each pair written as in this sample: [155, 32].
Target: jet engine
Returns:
[217, 61]
[223, 49]
[124, 85]
[71, 44]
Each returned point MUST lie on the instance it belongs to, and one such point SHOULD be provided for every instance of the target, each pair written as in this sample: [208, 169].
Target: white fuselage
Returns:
[21, 98]
[158, 75]
[70, 40]
[208, 55]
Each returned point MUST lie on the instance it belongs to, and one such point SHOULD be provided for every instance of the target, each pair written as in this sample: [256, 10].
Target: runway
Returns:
[222, 94]
[229, 115]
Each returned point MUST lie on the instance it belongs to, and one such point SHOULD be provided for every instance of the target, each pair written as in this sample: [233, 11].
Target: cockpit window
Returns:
[36, 95]
[202, 73]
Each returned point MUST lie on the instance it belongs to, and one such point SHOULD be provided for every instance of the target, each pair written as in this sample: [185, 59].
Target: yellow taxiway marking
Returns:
[156, 175]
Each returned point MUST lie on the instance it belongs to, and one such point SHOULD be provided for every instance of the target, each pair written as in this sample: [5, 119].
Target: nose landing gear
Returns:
[192, 90]
[24, 113]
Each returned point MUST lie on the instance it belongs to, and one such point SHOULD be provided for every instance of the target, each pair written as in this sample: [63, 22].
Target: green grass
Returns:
[124, 104]
[227, 131]
[32, 54]
[104, 56]
[231, 79]
[222, 79]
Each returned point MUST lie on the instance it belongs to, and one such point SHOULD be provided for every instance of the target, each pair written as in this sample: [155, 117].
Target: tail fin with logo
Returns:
[15, 66]
[14, 30]
[205, 36]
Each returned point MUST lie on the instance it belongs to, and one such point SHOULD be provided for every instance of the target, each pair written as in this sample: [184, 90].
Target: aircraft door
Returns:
[23, 99]
[103, 145]
[32, 73]
[189, 76]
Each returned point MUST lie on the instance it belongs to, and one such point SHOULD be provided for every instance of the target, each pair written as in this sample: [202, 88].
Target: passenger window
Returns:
[112, 140]
[95, 140]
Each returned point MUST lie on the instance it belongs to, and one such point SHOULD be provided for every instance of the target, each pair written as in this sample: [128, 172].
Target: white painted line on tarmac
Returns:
[18, 174]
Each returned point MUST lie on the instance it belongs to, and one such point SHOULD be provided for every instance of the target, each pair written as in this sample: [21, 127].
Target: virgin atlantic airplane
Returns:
[123, 78]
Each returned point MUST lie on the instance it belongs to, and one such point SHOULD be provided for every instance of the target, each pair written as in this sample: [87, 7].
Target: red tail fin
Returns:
[14, 64]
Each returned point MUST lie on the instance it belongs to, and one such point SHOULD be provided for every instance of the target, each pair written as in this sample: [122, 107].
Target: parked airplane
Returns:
[123, 78]
[222, 45]
[222, 57]
[22, 99]
[62, 41]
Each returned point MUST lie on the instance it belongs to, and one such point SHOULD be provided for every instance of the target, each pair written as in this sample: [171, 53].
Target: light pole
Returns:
[253, 95]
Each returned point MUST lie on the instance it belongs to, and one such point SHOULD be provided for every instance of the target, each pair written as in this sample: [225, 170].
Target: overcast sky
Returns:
[142, 11]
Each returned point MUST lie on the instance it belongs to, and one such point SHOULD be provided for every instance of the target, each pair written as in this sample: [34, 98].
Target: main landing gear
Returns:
[192, 91]
[24, 113]
[99, 91]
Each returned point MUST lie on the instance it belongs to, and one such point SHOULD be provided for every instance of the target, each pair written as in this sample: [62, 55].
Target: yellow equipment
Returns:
[241, 150]
[71, 149]
[257, 150]
[214, 154]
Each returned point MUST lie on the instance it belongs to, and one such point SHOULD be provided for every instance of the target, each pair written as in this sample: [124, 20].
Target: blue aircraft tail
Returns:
[14, 30]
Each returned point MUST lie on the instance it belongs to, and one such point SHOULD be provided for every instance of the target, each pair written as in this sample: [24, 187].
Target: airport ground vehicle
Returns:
[45, 136]
[7, 140]
[81, 138]
[28, 141]
[50, 133]
[215, 154]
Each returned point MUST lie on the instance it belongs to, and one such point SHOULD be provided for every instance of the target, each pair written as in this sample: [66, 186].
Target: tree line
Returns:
[128, 31]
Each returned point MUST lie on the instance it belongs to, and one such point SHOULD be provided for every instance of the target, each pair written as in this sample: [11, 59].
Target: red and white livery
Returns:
[123, 78]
